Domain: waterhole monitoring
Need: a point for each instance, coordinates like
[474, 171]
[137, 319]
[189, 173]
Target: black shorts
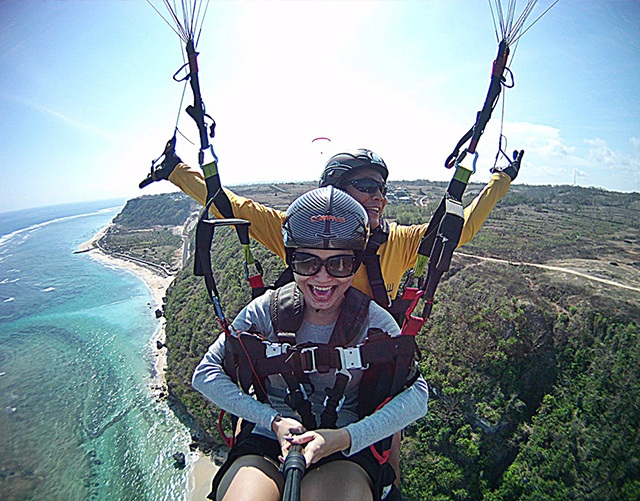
[253, 444]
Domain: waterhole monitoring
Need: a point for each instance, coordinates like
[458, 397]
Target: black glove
[166, 167]
[514, 167]
[169, 163]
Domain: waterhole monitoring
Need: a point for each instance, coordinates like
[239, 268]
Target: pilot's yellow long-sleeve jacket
[397, 254]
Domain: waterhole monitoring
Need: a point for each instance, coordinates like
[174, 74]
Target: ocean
[77, 420]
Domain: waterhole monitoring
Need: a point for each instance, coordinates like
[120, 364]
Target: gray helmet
[326, 218]
[345, 162]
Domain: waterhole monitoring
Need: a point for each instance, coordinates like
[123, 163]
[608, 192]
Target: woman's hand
[285, 428]
[321, 443]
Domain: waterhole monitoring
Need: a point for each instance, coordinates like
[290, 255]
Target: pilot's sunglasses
[369, 185]
[341, 266]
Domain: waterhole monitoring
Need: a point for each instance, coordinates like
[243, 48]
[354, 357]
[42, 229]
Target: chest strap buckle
[275, 349]
[308, 359]
[351, 358]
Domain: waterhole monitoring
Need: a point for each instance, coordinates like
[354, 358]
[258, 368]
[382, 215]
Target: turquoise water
[77, 420]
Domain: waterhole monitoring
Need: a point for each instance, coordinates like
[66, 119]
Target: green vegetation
[534, 374]
[148, 230]
[171, 209]
[533, 401]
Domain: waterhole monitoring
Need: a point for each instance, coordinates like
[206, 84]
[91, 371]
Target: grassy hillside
[148, 230]
[534, 372]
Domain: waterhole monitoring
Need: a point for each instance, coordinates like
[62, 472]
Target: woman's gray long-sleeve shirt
[210, 379]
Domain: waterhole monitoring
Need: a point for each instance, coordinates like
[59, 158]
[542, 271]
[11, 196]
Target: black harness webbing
[434, 253]
[286, 307]
[484, 115]
[215, 195]
[371, 261]
[444, 230]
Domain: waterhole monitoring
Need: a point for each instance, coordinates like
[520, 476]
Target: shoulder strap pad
[353, 314]
[284, 278]
[371, 260]
[286, 308]
[378, 236]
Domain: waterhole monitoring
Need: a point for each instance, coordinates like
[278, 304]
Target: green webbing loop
[462, 174]
[210, 169]
[248, 256]
[421, 264]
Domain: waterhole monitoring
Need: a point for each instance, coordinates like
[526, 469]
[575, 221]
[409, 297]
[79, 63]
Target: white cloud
[627, 165]
[543, 140]
[551, 159]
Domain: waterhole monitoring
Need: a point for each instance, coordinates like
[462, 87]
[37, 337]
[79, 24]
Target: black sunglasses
[369, 185]
[341, 266]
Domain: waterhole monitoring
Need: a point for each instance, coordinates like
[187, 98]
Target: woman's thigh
[249, 478]
[337, 480]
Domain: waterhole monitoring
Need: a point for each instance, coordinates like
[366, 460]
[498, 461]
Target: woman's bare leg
[250, 478]
[337, 480]
[394, 456]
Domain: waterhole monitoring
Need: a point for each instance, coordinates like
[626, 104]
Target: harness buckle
[275, 349]
[350, 358]
[340, 402]
[310, 360]
[294, 397]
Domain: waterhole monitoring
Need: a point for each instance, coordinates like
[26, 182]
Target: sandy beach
[203, 468]
[201, 476]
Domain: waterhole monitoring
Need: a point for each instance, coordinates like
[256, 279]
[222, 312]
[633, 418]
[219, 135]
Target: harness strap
[353, 314]
[239, 352]
[286, 306]
[216, 195]
[395, 377]
[255, 359]
[371, 260]
[334, 400]
[270, 358]
[296, 398]
[435, 254]
[445, 244]
[285, 277]
[202, 267]
[388, 363]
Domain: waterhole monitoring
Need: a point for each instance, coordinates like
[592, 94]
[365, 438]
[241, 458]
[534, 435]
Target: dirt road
[553, 268]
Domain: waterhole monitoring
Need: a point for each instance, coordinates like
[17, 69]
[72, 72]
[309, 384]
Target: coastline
[157, 285]
[203, 469]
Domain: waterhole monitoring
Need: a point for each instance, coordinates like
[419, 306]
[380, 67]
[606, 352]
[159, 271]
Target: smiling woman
[323, 358]
[325, 234]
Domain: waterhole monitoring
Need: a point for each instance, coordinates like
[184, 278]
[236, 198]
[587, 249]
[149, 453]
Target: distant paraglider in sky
[322, 145]
[322, 149]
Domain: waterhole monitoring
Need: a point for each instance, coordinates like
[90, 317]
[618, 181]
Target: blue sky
[87, 98]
